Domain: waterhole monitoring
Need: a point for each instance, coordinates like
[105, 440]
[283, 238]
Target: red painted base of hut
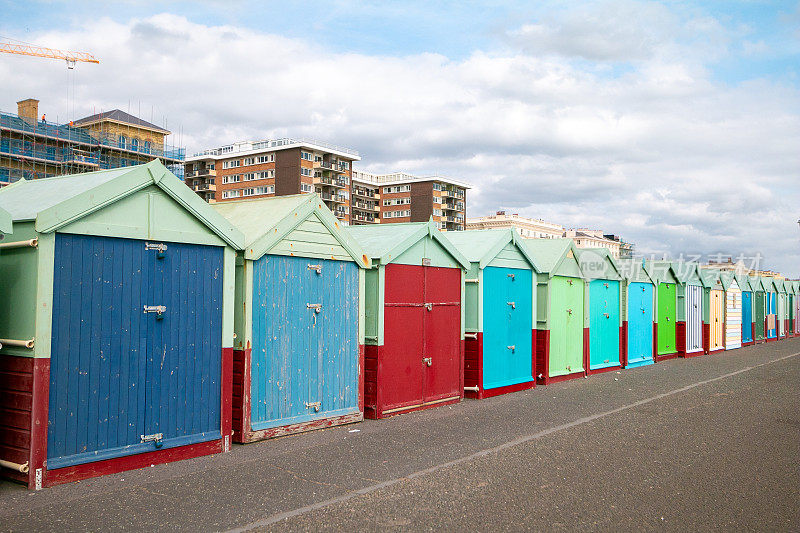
[706, 337]
[680, 338]
[473, 372]
[543, 361]
[24, 398]
[242, 431]
[623, 344]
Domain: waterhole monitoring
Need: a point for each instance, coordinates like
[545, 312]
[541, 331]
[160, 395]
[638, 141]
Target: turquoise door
[640, 324]
[747, 316]
[603, 324]
[507, 325]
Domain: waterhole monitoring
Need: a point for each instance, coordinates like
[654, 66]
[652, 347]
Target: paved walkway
[707, 442]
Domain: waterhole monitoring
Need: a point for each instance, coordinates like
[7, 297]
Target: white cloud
[658, 153]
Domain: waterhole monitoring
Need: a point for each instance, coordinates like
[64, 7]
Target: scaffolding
[34, 149]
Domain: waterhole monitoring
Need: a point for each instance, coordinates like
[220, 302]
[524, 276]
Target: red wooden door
[442, 333]
[401, 370]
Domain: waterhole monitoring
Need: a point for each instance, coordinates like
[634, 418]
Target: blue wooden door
[603, 323]
[772, 318]
[305, 340]
[123, 381]
[747, 316]
[640, 324]
[507, 324]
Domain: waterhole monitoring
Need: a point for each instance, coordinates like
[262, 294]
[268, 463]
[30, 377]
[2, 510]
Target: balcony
[204, 187]
[365, 206]
[364, 193]
[332, 198]
[322, 165]
[331, 182]
[201, 173]
[364, 218]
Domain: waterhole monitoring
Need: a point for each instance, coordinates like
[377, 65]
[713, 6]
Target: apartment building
[532, 228]
[274, 167]
[401, 197]
[32, 147]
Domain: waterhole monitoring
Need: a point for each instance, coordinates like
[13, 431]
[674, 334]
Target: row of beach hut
[140, 325]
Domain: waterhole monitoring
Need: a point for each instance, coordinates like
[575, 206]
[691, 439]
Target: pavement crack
[302, 478]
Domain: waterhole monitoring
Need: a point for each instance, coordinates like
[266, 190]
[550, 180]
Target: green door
[760, 305]
[667, 304]
[566, 326]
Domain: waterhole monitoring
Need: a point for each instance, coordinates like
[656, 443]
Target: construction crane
[27, 49]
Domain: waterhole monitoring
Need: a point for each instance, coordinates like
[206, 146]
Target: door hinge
[427, 360]
[155, 438]
[315, 405]
[159, 310]
[159, 247]
[315, 268]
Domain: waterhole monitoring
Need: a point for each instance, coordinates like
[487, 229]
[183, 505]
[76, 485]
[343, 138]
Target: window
[231, 194]
[147, 147]
[397, 188]
[307, 156]
[233, 178]
[397, 201]
[210, 166]
[397, 214]
[122, 141]
[135, 144]
[269, 158]
[306, 172]
[232, 164]
[249, 161]
[250, 176]
[306, 187]
[437, 187]
[437, 212]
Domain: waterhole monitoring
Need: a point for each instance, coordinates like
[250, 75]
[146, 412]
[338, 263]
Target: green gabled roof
[266, 221]
[633, 270]
[743, 281]
[758, 283]
[383, 243]
[710, 277]
[686, 272]
[598, 263]
[727, 279]
[779, 285]
[52, 203]
[794, 285]
[660, 271]
[549, 254]
[5, 221]
[482, 246]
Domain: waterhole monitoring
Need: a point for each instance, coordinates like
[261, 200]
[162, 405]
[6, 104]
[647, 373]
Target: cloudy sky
[673, 124]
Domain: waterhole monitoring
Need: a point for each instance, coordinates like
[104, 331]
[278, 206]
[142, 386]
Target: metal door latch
[316, 268]
[667, 319]
[159, 247]
[427, 360]
[569, 281]
[155, 438]
[606, 315]
[642, 289]
[511, 276]
[316, 307]
[429, 307]
[569, 368]
[159, 310]
[512, 304]
[513, 348]
[316, 405]
[605, 285]
[569, 311]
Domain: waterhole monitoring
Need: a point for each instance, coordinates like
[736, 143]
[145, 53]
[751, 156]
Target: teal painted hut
[638, 309]
[298, 361]
[603, 319]
[116, 314]
[665, 332]
[499, 312]
[689, 325]
[414, 318]
[559, 310]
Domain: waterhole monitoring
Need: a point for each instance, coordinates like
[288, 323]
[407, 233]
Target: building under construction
[32, 147]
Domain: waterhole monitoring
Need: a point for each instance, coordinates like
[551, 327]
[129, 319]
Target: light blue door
[772, 309]
[640, 324]
[603, 324]
[305, 340]
[507, 325]
[747, 316]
